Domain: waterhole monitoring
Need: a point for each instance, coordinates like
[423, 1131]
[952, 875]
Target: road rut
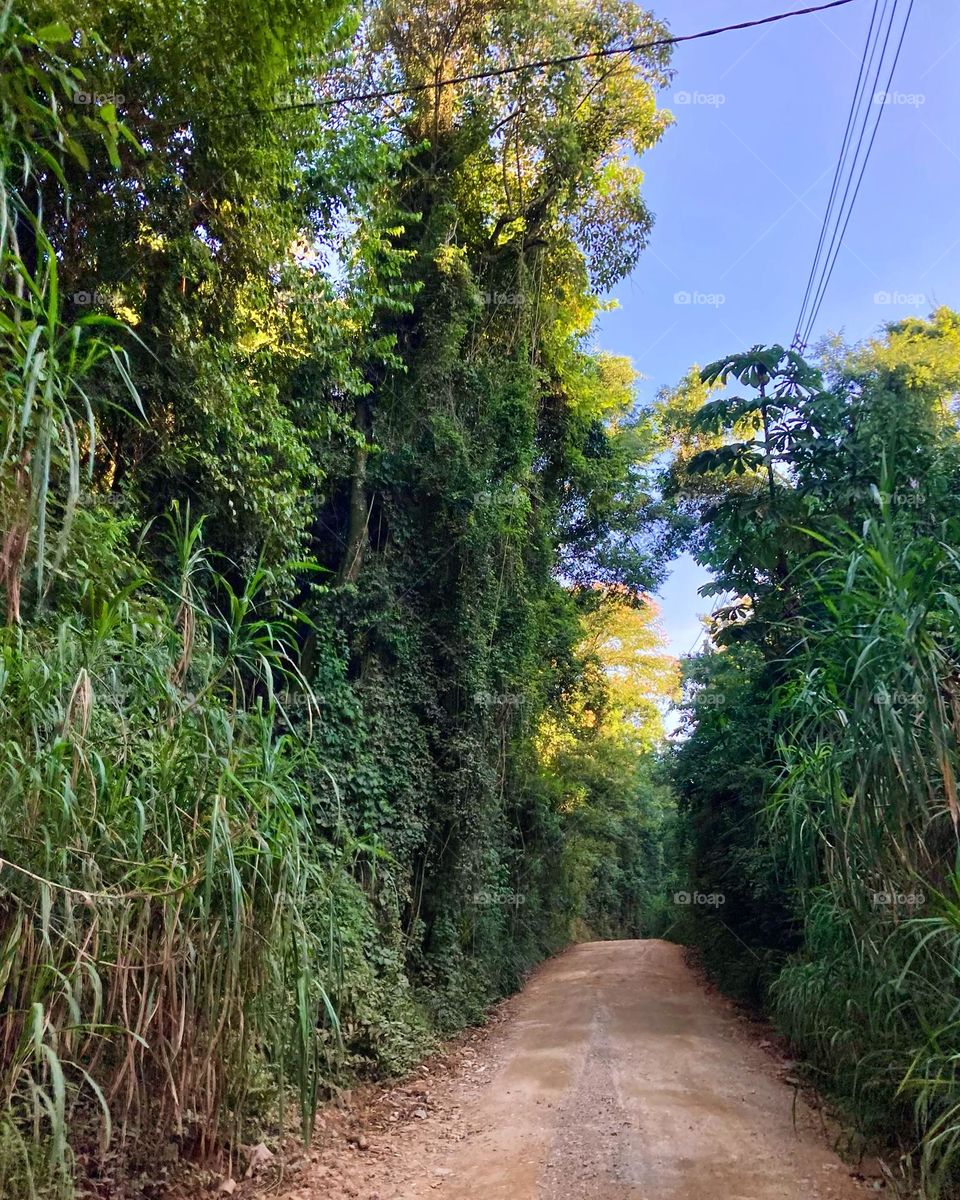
[616, 1076]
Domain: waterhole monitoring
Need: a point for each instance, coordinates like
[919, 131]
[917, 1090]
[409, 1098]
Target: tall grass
[868, 812]
[48, 425]
[155, 967]
[153, 955]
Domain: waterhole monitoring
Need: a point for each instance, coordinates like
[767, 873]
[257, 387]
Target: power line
[563, 60]
[534, 65]
[817, 287]
[856, 191]
[833, 249]
[854, 118]
[834, 187]
[725, 600]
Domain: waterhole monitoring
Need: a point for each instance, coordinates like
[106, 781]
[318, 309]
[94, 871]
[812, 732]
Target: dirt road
[614, 1076]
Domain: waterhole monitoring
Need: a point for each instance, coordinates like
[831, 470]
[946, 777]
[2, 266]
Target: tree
[817, 781]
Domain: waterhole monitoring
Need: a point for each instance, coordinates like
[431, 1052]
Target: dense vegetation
[818, 783]
[331, 688]
[328, 674]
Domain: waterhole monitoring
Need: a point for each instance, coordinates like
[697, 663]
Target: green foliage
[869, 805]
[722, 774]
[46, 413]
[155, 866]
[818, 781]
[329, 517]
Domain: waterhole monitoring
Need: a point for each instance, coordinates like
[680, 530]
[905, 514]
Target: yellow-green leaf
[56, 31]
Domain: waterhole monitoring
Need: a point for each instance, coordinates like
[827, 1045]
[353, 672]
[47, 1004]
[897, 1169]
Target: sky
[739, 185]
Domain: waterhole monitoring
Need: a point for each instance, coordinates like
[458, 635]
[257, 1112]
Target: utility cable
[835, 185]
[856, 191]
[859, 119]
[534, 65]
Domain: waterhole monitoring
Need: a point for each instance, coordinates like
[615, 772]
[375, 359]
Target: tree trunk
[359, 509]
[766, 444]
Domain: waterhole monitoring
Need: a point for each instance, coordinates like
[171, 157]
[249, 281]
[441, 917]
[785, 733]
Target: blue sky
[740, 183]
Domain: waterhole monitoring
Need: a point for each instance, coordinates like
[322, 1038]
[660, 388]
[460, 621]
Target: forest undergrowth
[331, 688]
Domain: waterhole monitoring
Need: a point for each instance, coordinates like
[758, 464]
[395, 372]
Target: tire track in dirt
[614, 1075]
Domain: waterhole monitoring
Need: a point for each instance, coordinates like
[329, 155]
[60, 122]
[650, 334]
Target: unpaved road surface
[614, 1075]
